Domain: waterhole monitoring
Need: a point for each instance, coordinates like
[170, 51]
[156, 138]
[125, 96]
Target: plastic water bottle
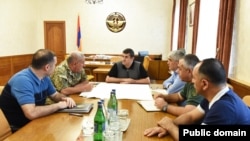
[113, 120]
[112, 106]
[113, 103]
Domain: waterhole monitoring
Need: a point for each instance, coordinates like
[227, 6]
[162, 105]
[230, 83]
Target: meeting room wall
[241, 67]
[18, 26]
[148, 25]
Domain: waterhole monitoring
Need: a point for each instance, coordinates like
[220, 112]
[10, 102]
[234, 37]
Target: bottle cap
[99, 102]
[102, 100]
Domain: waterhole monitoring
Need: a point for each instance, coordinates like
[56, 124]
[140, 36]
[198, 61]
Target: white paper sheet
[149, 105]
[123, 91]
[160, 91]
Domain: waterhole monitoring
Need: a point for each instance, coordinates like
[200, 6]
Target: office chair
[146, 62]
[246, 100]
[5, 130]
[1, 89]
[89, 74]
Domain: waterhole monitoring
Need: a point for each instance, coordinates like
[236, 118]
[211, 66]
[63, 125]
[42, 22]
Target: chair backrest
[5, 130]
[89, 74]
[246, 100]
[142, 53]
[1, 89]
[90, 77]
[66, 56]
[146, 61]
[115, 59]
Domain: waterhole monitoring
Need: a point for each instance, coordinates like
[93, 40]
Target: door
[55, 39]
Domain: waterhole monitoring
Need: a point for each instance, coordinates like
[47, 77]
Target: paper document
[149, 105]
[123, 91]
[160, 91]
[85, 94]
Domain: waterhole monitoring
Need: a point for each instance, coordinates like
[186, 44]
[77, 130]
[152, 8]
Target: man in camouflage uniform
[69, 76]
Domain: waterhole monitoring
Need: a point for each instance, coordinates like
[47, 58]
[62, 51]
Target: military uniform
[63, 77]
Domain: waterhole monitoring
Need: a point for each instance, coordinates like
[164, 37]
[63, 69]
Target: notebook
[149, 105]
[79, 108]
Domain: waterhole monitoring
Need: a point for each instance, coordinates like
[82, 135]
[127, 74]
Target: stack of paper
[123, 91]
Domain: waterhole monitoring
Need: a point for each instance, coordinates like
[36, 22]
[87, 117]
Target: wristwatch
[164, 108]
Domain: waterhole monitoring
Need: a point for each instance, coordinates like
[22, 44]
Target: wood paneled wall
[11, 64]
[152, 56]
[240, 87]
[158, 70]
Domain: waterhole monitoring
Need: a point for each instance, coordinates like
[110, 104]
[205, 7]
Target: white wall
[242, 67]
[18, 27]
[148, 25]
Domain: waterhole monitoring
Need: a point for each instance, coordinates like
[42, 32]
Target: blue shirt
[28, 89]
[173, 84]
[24, 88]
[226, 108]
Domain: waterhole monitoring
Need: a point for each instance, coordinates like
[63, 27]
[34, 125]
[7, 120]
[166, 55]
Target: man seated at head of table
[220, 106]
[187, 94]
[128, 70]
[174, 84]
[69, 76]
[23, 97]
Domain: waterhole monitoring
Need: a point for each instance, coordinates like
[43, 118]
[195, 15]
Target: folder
[79, 108]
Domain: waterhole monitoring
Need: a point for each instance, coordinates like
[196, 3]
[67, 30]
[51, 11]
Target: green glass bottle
[99, 123]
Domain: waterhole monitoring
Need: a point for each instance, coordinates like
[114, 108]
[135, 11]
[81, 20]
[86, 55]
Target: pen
[76, 114]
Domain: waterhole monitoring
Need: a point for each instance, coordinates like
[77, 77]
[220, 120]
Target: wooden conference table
[65, 127]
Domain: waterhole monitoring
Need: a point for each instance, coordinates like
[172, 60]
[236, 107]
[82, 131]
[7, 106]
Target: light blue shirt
[173, 84]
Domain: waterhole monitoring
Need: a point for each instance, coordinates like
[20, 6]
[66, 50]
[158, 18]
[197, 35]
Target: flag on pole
[78, 41]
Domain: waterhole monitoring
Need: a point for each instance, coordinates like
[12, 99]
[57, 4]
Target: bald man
[69, 76]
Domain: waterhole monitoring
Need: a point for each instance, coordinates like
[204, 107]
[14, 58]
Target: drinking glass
[88, 126]
[123, 118]
[108, 135]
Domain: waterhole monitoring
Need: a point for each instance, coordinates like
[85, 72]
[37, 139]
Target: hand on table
[159, 131]
[160, 102]
[67, 102]
[166, 123]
